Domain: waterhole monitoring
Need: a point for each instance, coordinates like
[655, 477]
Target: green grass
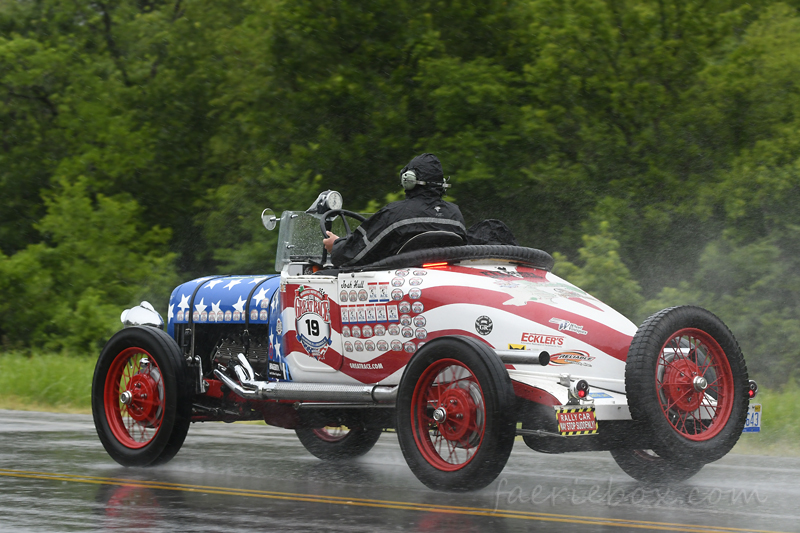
[59, 383]
[46, 382]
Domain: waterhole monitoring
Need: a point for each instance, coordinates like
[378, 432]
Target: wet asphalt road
[55, 476]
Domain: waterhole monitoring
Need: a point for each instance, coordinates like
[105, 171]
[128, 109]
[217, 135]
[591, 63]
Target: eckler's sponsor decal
[542, 340]
[566, 325]
[484, 325]
[313, 322]
[576, 357]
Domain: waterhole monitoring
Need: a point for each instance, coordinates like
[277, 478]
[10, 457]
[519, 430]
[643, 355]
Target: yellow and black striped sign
[576, 420]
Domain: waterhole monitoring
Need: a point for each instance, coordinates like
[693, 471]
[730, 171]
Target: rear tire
[455, 415]
[336, 444]
[141, 397]
[686, 379]
[649, 467]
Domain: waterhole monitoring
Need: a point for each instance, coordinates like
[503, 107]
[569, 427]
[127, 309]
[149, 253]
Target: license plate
[574, 421]
[753, 422]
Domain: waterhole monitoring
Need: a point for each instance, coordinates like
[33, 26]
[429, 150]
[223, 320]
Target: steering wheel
[328, 217]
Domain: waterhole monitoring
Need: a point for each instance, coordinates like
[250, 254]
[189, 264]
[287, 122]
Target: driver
[387, 230]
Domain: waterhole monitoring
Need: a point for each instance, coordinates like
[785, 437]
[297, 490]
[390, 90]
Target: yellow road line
[384, 504]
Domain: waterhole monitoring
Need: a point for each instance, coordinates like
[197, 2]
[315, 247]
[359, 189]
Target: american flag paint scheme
[458, 348]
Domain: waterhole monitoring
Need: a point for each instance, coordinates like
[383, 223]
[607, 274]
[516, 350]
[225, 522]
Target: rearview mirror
[269, 219]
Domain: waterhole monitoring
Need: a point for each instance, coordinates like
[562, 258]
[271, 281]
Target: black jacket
[387, 230]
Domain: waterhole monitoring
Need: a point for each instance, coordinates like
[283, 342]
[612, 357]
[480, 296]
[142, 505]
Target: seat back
[431, 239]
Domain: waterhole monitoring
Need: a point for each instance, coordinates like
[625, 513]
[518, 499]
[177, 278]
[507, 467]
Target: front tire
[141, 397]
[455, 415]
[687, 380]
[335, 444]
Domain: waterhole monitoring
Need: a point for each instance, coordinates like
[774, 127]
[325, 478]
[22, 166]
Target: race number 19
[312, 327]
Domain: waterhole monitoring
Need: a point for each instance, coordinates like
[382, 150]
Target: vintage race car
[458, 348]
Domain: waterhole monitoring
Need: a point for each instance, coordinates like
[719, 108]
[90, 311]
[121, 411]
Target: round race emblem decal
[313, 321]
[483, 325]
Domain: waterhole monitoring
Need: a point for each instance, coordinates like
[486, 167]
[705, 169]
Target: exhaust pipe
[512, 358]
[324, 392]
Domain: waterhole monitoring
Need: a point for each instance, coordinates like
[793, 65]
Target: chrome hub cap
[700, 383]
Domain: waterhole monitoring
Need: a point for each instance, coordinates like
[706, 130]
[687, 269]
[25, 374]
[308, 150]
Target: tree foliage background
[654, 143]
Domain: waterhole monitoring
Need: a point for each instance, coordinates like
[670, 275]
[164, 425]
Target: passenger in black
[387, 230]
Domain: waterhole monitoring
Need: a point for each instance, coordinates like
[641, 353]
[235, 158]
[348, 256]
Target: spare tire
[686, 379]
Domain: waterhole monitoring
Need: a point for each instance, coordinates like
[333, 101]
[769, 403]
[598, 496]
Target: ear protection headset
[408, 179]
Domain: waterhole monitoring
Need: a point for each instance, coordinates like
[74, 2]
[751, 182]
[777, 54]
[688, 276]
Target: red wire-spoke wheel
[142, 397]
[455, 414]
[134, 398]
[695, 384]
[448, 415]
[686, 379]
[335, 443]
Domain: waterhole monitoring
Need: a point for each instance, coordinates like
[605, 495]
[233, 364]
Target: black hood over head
[427, 166]
[429, 169]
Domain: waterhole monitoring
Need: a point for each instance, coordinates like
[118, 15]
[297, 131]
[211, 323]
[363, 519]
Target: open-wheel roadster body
[459, 349]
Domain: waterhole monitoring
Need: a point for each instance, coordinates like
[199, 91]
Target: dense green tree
[653, 141]
[67, 291]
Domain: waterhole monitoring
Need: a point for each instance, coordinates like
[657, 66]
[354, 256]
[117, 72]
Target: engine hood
[223, 300]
